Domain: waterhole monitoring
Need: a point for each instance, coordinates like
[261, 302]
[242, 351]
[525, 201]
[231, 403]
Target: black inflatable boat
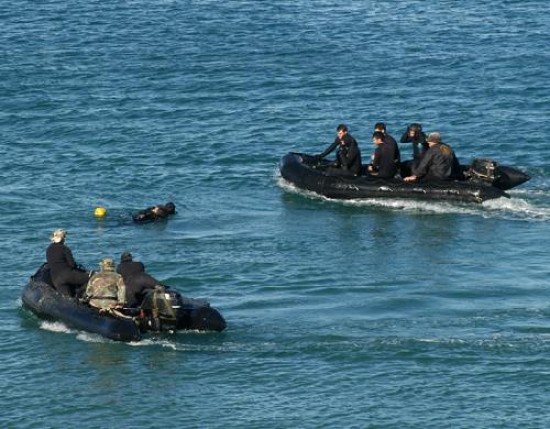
[483, 180]
[162, 310]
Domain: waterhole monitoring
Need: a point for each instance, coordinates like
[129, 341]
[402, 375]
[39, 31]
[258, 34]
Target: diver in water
[66, 277]
[154, 213]
[137, 281]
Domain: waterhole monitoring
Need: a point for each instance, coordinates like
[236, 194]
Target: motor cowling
[160, 309]
[485, 170]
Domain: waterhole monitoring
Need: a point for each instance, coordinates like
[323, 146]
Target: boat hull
[127, 325]
[299, 169]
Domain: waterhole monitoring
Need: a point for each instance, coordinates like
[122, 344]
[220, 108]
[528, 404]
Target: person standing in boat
[417, 137]
[348, 157]
[438, 163]
[66, 277]
[135, 278]
[106, 289]
[385, 160]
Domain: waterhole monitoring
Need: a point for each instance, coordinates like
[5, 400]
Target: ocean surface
[358, 314]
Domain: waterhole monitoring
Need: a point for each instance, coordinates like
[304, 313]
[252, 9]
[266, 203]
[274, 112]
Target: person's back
[438, 163]
[128, 267]
[106, 288]
[136, 280]
[66, 278]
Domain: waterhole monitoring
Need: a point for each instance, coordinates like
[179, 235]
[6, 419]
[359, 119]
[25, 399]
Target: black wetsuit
[419, 144]
[348, 158]
[439, 163]
[386, 159]
[137, 281]
[148, 214]
[66, 278]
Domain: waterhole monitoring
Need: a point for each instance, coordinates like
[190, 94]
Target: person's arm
[422, 169]
[69, 257]
[121, 291]
[329, 149]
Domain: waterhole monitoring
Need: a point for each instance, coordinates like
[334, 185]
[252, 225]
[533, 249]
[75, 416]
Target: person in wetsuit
[67, 279]
[438, 163]
[348, 157]
[385, 161]
[416, 136]
[137, 281]
[154, 213]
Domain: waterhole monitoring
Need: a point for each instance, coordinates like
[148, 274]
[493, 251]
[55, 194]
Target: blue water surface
[357, 314]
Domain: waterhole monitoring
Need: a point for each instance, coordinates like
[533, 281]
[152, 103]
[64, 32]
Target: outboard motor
[485, 170]
[160, 308]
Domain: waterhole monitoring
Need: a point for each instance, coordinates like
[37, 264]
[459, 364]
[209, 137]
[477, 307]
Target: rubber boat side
[48, 304]
[299, 169]
[162, 310]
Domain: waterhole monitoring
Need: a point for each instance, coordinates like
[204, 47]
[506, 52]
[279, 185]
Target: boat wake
[519, 207]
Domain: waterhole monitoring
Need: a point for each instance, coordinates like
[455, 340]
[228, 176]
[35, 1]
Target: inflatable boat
[483, 180]
[162, 310]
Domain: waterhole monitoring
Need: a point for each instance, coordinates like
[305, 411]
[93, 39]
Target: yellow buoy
[100, 212]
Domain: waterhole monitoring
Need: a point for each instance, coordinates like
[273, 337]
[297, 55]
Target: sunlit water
[371, 313]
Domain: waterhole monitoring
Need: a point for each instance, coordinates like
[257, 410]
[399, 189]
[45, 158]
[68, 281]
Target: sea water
[358, 314]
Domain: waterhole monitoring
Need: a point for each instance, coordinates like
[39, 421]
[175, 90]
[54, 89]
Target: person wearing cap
[106, 289]
[385, 160]
[157, 212]
[348, 157]
[66, 277]
[137, 281]
[438, 163]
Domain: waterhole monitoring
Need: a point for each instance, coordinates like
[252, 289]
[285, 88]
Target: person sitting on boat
[160, 211]
[106, 289]
[439, 162]
[385, 160]
[348, 157]
[381, 127]
[66, 277]
[135, 278]
[417, 137]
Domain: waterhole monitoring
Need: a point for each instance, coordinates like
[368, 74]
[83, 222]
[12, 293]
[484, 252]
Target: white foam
[510, 208]
[55, 327]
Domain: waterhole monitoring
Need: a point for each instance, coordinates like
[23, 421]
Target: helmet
[106, 264]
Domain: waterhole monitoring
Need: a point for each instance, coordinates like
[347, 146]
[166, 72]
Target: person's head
[378, 137]
[414, 129]
[341, 130]
[106, 264]
[380, 126]
[58, 236]
[170, 207]
[126, 257]
[434, 138]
